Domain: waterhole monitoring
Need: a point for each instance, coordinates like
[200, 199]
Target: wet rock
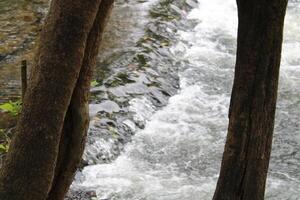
[119, 91]
[192, 3]
[105, 106]
[130, 124]
[2, 56]
[140, 80]
[81, 194]
[99, 89]
[157, 97]
[177, 10]
[136, 88]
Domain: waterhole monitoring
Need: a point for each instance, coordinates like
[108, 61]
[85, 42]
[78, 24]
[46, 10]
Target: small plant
[14, 108]
[4, 142]
[4, 148]
[94, 83]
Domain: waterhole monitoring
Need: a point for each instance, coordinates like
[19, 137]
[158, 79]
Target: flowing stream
[177, 155]
[148, 140]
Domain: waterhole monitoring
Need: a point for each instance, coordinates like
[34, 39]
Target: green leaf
[13, 108]
[7, 107]
[3, 148]
[94, 83]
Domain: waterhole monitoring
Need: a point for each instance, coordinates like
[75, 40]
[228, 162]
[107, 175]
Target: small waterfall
[177, 155]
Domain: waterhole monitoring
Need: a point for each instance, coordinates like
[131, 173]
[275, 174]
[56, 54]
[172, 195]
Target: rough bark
[253, 101]
[29, 169]
[77, 119]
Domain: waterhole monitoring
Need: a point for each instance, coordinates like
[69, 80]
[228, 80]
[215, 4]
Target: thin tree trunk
[29, 169]
[253, 101]
[77, 120]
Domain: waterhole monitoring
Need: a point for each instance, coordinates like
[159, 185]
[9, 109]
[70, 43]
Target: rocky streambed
[133, 82]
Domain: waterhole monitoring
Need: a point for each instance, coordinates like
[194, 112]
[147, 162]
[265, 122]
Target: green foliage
[14, 108]
[4, 143]
[4, 148]
[141, 59]
[94, 83]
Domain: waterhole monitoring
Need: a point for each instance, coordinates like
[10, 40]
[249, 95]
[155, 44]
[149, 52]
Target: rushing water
[177, 156]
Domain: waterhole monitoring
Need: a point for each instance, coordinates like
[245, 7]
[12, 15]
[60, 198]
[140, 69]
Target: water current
[176, 151]
[177, 155]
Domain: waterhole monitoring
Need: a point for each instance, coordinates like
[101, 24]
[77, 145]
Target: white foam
[177, 156]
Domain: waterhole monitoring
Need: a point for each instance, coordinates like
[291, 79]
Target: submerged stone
[105, 106]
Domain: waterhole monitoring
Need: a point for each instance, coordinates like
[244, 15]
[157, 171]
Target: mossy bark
[253, 101]
[50, 135]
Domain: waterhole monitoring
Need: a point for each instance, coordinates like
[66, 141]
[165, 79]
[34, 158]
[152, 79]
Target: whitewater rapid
[177, 155]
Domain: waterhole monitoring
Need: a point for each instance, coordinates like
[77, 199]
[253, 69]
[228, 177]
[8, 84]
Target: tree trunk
[77, 119]
[253, 101]
[29, 170]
